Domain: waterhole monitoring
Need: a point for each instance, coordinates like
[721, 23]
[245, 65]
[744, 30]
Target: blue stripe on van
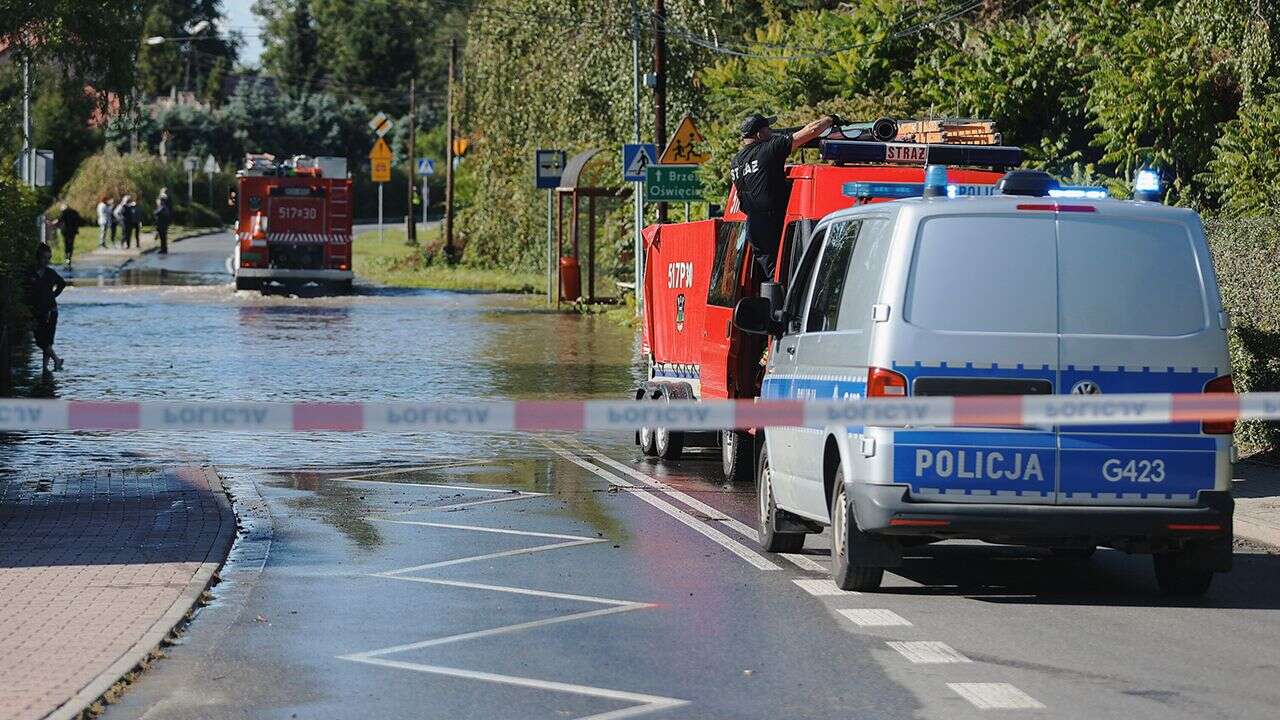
[976, 463]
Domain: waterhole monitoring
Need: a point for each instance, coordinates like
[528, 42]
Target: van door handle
[791, 349]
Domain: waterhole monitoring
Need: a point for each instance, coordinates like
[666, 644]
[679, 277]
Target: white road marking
[928, 651]
[821, 587]
[728, 543]
[650, 481]
[646, 703]
[873, 618]
[362, 481]
[643, 703]
[804, 562]
[995, 696]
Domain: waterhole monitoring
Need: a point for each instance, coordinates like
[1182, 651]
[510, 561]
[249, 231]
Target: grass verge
[390, 262]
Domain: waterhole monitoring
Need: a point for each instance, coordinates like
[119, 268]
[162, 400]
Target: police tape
[592, 415]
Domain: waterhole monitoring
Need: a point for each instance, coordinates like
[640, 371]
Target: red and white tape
[578, 415]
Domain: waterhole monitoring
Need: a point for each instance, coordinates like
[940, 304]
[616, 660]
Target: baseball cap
[755, 122]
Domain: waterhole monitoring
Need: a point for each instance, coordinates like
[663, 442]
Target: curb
[153, 250]
[80, 703]
[1247, 529]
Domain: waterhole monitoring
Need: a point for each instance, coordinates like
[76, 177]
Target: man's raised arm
[807, 133]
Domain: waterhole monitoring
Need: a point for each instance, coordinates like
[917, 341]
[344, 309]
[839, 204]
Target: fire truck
[696, 272]
[293, 225]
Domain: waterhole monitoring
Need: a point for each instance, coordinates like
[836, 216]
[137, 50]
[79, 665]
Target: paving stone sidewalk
[1257, 493]
[95, 570]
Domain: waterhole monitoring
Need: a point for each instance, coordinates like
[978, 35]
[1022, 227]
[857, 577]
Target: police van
[1039, 290]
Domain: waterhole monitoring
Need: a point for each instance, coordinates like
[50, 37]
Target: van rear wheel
[668, 444]
[1177, 575]
[770, 539]
[846, 569]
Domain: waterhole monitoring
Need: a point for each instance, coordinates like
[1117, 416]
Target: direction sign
[635, 158]
[210, 165]
[380, 162]
[426, 166]
[43, 168]
[672, 183]
[381, 124]
[685, 147]
[190, 163]
[549, 166]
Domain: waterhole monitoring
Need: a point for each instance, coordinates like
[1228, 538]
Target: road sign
[43, 168]
[190, 163]
[380, 162]
[460, 146]
[672, 183]
[635, 158]
[381, 124]
[211, 165]
[426, 166]
[549, 166]
[685, 147]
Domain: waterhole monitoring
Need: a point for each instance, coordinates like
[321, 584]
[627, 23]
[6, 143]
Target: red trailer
[293, 223]
[696, 272]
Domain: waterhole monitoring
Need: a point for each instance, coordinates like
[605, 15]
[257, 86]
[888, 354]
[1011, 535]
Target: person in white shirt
[104, 220]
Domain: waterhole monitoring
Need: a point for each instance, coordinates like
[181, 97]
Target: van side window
[799, 288]
[731, 237]
[828, 287]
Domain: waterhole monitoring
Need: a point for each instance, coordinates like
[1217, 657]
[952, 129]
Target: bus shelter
[583, 192]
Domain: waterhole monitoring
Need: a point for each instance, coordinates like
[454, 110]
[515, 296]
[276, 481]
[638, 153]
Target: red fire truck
[695, 273]
[293, 224]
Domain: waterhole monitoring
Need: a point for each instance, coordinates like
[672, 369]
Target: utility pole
[660, 84]
[638, 242]
[410, 222]
[448, 155]
[28, 156]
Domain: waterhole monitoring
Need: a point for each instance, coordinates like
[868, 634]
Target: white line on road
[873, 618]
[648, 703]
[481, 528]
[995, 696]
[924, 652]
[362, 481]
[821, 587]
[650, 481]
[728, 543]
[804, 562]
[518, 591]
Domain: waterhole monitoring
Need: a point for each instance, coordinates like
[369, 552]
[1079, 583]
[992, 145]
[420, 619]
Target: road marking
[363, 481]
[995, 696]
[646, 703]
[804, 562]
[712, 534]
[873, 618]
[715, 514]
[643, 703]
[821, 587]
[924, 652]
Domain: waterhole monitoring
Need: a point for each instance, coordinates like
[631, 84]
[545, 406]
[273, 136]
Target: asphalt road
[562, 580]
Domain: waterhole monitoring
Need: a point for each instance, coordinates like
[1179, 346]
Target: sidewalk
[110, 259]
[1257, 493]
[95, 570]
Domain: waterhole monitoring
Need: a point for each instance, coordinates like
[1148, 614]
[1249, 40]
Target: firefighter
[758, 173]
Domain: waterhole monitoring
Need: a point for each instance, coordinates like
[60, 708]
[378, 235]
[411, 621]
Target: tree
[185, 58]
[292, 52]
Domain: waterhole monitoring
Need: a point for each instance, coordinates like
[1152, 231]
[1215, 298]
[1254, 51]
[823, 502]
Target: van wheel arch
[831, 467]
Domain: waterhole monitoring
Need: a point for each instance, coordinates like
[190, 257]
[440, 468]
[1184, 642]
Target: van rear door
[1138, 312]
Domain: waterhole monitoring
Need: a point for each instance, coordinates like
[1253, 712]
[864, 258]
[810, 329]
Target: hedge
[18, 241]
[1246, 253]
[142, 175]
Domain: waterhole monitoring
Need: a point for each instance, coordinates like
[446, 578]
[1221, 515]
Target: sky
[240, 18]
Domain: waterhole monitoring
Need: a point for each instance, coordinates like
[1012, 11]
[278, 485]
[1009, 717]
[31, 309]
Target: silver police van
[1021, 293]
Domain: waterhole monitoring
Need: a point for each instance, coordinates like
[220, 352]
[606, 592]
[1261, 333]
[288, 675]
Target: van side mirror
[774, 293]
[754, 315]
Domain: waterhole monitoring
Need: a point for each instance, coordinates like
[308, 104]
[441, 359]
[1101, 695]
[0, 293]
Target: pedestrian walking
[135, 222]
[44, 287]
[164, 216]
[104, 220]
[121, 215]
[759, 173]
[69, 222]
[111, 219]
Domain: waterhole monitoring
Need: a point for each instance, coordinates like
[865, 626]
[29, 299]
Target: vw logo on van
[1086, 387]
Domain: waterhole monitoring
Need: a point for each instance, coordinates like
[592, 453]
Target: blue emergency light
[935, 182]
[860, 151]
[1147, 185]
[892, 190]
[1079, 192]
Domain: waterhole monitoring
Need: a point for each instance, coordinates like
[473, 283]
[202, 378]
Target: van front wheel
[770, 539]
[846, 569]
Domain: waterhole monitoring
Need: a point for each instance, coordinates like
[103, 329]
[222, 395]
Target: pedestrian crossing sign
[686, 146]
[636, 157]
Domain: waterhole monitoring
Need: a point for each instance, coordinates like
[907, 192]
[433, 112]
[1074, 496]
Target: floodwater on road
[206, 341]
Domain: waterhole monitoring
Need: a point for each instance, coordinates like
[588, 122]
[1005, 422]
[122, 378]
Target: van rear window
[1128, 277]
[984, 274]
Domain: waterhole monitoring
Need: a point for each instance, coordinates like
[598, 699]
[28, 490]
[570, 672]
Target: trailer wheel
[736, 453]
[646, 442]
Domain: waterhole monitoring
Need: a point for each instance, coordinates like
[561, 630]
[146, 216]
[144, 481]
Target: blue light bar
[1079, 192]
[863, 190]
[859, 151]
[1146, 180]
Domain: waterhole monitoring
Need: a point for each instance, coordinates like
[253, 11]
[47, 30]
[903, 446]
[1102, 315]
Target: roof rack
[896, 153]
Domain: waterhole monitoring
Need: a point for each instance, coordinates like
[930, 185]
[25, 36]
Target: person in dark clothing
[759, 175]
[135, 222]
[121, 215]
[164, 216]
[44, 287]
[69, 222]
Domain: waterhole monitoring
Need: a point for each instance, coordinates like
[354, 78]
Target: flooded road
[207, 341]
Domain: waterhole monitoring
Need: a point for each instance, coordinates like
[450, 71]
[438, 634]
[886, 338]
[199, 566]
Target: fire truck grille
[296, 257]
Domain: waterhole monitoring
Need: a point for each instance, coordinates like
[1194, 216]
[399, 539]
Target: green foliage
[83, 35]
[1245, 168]
[184, 60]
[1244, 255]
[17, 250]
[115, 175]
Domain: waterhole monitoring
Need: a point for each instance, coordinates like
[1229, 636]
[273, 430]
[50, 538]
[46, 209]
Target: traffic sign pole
[380, 237]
